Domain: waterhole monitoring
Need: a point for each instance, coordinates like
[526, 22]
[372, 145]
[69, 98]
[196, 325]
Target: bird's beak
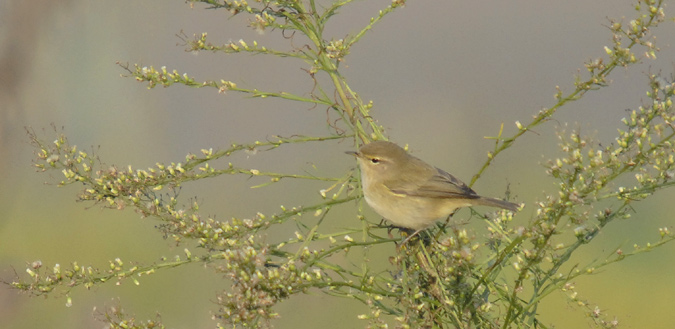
[356, 154]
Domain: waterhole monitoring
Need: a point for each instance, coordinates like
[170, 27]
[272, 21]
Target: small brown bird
[411, 193]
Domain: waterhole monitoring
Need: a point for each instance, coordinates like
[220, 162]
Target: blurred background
[443, 75]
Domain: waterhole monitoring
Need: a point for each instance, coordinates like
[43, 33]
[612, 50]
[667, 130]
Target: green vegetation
[454, 278]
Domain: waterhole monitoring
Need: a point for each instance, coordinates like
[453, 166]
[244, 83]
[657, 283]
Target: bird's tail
[490, 202]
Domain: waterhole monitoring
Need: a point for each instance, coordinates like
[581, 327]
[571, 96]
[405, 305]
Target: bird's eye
[375, 160]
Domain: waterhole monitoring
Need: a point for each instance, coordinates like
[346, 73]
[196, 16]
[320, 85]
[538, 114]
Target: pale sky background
[442, 75]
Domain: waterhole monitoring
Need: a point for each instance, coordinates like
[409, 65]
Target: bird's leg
[408, 238]
[389, 228]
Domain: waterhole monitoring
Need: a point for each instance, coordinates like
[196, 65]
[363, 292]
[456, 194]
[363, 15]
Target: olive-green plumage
[411, 193]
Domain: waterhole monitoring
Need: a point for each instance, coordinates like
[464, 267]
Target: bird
[411, 193]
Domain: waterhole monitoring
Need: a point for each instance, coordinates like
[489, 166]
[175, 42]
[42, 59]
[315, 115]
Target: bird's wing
[439, 185]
